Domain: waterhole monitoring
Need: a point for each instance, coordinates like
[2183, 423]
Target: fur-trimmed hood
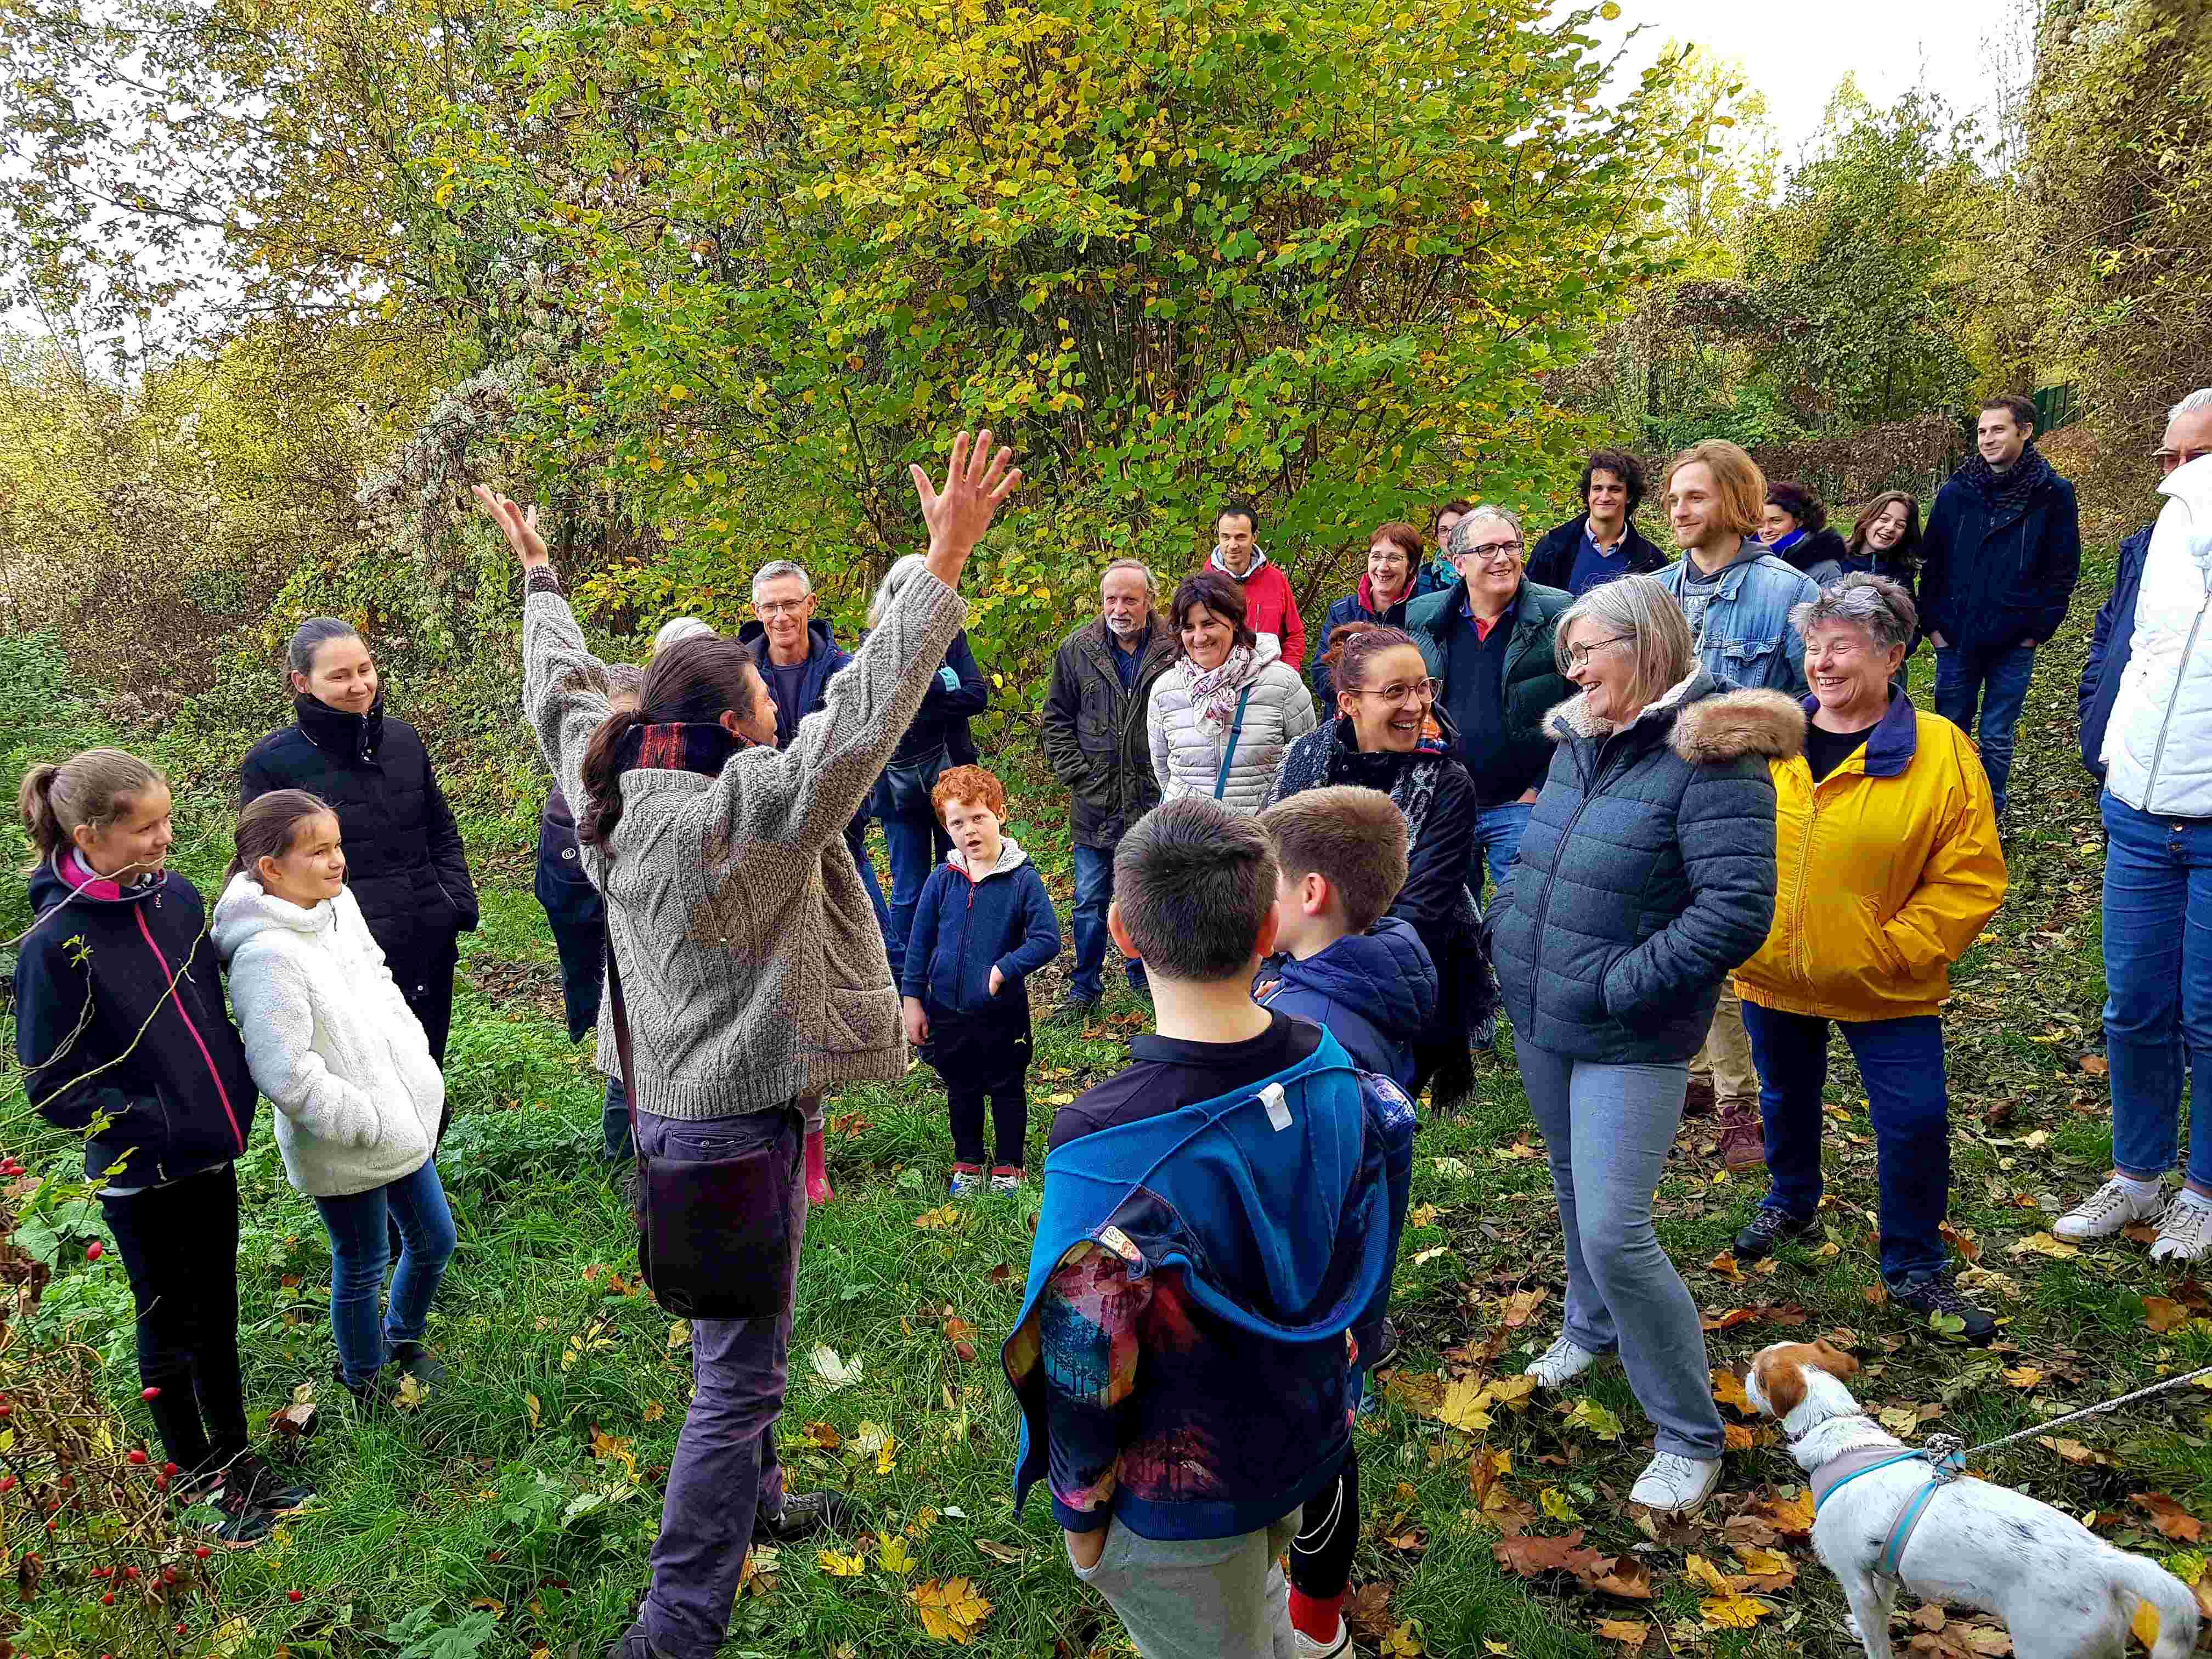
[1707, 724]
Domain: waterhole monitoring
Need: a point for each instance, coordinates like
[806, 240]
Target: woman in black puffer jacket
[404, 859]
[1645, 877]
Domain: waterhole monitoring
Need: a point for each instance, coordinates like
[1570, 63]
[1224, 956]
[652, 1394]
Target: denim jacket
[1747, 640]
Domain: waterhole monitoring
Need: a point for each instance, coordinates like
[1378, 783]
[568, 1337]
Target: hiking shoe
[1561, 1364]
[250, 1477]
[1932, 1295]
[1675, 1485]
[2104, 1212]
[967, 1180]
[2185, 1232]
[803, 1515]
[1699, 1101]
[1074, 1011]
[1386, 1347]
[1742, 1139]
[1306, 1648]
[413, 1359]
[1005, 1179]
[634, 1643]
[239, 1523]
[1768, 1227]
[370, 1395]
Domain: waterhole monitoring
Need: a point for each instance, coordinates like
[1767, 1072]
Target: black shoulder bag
[713, 1239]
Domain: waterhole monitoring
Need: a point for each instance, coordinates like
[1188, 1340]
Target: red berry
[108, 1600]
[152, 1393]
[5, 1408]
[130, 1572]
[161, 1483]
[180, 1630]
[95, 1250]
[294, 1595]
[138, 1454]
[202, 1552]
[169, 1470]
[7, 1483]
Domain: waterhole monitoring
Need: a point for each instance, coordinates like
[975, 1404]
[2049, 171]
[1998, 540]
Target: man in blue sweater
[1997, 569]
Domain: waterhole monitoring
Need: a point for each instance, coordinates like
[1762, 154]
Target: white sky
[1797, 51]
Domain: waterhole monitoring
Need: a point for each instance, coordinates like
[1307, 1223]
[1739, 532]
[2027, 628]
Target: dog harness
[1839, 1472]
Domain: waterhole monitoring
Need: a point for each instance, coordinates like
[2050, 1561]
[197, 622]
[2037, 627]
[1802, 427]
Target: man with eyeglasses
[1997, 568]
[1488, 639]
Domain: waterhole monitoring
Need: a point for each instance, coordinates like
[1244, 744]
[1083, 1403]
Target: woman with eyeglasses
[1380, 740]
[1645, 878]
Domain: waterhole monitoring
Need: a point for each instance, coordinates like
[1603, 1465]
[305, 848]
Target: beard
[1125, 626]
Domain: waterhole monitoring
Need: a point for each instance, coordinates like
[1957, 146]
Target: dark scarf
[1408, 776]
[704, 747]
[2007, 493]
[356, 737]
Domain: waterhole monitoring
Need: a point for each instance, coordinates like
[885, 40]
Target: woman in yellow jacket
[1886, 868]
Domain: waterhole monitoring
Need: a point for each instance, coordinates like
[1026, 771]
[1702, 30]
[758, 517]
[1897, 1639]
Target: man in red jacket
[1269, 607]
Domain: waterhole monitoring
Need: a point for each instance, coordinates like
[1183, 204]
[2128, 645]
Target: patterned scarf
[2007, 493]
[1214, 694]
[702, 746]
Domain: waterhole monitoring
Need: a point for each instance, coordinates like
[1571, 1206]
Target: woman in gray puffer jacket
[1228, 706]
[1645, 877]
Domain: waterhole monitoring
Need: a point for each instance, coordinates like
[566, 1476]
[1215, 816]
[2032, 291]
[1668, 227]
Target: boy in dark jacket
[1215, 1223]
[983, 925]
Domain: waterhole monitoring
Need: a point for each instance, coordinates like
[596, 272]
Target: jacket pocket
[1749, 662]
[859, 1021]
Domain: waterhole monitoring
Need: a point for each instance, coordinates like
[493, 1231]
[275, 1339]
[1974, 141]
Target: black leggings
[1321, 1555]
[179, 1246]
[1010, 1121]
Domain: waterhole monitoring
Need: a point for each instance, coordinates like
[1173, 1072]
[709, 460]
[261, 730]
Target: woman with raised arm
[751, 967]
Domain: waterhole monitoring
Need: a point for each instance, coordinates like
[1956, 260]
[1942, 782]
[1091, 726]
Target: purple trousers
[726, 1467]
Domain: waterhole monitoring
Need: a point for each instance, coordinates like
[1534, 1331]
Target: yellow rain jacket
[1884, 872]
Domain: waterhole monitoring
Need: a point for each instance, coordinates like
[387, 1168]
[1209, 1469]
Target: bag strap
[621, 1012]
[1229, 754]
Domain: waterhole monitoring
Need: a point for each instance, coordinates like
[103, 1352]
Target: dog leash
[1949, 1450]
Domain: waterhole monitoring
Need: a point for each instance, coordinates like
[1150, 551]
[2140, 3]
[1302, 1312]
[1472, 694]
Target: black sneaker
[1386, 1348]
[1934, 1297]
[413, 1359]
[1074, 1011]
[249, 1478]
[634, 1643]
[803, 1515]
[239, 1523]
[1769, 1227]
[371, 1396]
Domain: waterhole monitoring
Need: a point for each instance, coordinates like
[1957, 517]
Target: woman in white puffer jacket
[1228, 706]
[334, 1046]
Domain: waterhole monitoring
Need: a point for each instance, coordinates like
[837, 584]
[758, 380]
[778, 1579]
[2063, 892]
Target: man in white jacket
[2158, 869]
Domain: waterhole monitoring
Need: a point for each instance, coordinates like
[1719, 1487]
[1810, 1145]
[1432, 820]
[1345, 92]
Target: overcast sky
[1796, 52]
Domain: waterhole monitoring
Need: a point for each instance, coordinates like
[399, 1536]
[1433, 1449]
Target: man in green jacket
[1488, 639]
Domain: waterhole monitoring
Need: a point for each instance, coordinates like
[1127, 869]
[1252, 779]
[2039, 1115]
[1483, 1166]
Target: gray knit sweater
[752, 966]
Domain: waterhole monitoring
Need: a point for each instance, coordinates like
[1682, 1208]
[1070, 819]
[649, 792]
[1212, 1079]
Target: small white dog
[2063, 1591]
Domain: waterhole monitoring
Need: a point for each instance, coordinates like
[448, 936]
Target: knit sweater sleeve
[560, 677]
[1087, 1321]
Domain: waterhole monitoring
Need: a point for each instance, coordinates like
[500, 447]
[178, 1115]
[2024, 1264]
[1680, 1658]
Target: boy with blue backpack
[1215, 1223]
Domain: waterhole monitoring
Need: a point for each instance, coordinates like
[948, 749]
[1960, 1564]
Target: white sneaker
[1307, 1648]
[1561, 1364]
[1675, 1485]
[2104, 1212]
[2185, 1232]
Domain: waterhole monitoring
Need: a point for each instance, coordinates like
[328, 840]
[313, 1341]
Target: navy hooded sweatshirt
[1375, 992]
[167, 1071]
[964, 926]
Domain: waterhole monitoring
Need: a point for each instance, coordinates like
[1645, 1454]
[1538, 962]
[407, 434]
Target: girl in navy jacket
[124, 1038]
[983, 925]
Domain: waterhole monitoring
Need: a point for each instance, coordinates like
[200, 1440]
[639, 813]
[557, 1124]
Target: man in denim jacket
[1737, 600]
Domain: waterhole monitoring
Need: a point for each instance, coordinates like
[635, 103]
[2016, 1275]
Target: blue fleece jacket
[966, 925]
[1181, 1359]
[1375, 992]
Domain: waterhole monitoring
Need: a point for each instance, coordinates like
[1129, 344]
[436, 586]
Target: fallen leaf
[1367, 1609]
[1006, 1553]
[530, 1404]
[1553, 1503]
[1520, 1305]
[1706, 1574]
[1768, 1563]
[1732, 1611]
[1792, 1517]
[2145, 1624]
[1728, 1389]
[824, 1436]
[1404, 1642]
[843, 1566]
[1629, 1633]
[1514, 1390]
[1422, 1258]
[2072, 1451]
[2162, 1313]
[1737, 1436]
[1725, 1265]
[945, 1215]
[1728, 1321]
[2044, 1244]
[606, 1446]
[1602, 1423]
[486, 1604]
[1463, 1407]
[835, 1372]
[1422, 1215]
[2169, 1517]
[680, 1335]
[653, 1411]
[2022, 1376]
[1899, 1420]
[895, 1557]
[951, 1611]
[1531, 1556]
[1625, 1576]
[2098, 1066]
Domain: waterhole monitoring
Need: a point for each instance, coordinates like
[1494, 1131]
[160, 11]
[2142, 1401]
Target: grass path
[511, 1513]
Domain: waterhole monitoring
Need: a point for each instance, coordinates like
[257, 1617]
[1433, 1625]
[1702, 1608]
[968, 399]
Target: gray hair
[312, 636]
[2200, 398]
[1641, 608]
[1487, 512]
[678, 628]
[1876, 603]
[1152, 587]
[776, 570]
[903, 570]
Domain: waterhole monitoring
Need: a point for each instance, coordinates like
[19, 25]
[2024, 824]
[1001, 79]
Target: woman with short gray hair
[1886, 849]
[1645, 875]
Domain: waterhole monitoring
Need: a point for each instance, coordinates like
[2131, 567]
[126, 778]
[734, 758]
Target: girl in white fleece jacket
[334, 1046]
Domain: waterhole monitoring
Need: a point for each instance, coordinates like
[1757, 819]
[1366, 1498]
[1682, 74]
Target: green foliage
[422, 1635]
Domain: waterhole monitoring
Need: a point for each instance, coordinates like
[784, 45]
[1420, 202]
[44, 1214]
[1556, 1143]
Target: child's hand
[997, 981]
[917, 1020]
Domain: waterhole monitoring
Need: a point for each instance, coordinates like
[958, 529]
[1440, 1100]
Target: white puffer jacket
[1186, 761]
[331, 1041]
[2158, 748]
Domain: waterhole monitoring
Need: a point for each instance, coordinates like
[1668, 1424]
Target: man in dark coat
[1997, 569]
[1096, 740]
[1603, 543]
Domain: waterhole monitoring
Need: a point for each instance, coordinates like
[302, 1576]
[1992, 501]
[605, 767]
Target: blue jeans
[360, 1252]
[915, 839]
[1997, 684]
[725, 1469]
[2158, 985]
[1094, 891]
[1901, 1063]
[614, 1123]
[1497, 832]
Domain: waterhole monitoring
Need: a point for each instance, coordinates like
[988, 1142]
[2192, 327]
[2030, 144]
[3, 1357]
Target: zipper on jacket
[1544, 915]
[2166, 721]
[1804, 862]
[221, 1093]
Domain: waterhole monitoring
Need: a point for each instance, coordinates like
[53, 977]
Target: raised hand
[518, 524]
[958, 514]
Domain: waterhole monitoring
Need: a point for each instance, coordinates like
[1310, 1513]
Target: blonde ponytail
[95, 788]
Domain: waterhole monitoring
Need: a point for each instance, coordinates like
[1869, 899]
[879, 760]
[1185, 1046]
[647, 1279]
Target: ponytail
[693, 681]
[603, 804]
[96, 787]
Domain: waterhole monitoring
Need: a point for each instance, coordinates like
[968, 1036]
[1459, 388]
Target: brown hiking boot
[1698, 1102]
[1740, 1139]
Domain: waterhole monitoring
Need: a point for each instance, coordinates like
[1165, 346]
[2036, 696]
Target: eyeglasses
[1399, 695]
[1494, 553]
[784, 607]
[2170, 460]
[1578, 656]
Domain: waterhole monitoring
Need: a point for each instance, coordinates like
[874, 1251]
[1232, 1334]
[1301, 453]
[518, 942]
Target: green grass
[488, 1504]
